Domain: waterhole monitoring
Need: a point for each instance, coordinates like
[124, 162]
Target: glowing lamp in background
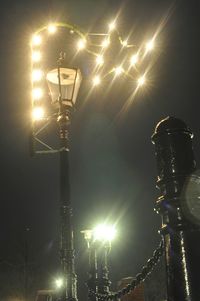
[104, 232]
[64, 84]
[59, 283]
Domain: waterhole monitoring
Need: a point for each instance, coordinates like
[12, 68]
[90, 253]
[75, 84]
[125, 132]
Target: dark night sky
[113, 171]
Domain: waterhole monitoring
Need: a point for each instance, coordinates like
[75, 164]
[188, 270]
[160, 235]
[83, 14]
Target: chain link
[140, 277]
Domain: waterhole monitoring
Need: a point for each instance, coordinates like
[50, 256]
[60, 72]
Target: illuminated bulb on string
[38, 113]
[100, 60]
[112, 26]
[96, 80]
[36, 40]
[36, 56]
[37, 93]
[124, 43]
[141, 81]
[150, 45]
[81, 44]
[134, 59]
[105, 43]
[37, 75]
[52, 28]
[118, 70]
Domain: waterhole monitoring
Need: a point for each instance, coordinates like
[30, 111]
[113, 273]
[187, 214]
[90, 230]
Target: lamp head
[65, 83]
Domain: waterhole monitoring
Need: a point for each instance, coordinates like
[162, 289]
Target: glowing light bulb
[52, 28]
[112, 26]
[37, 75]
[104, 232]
[38, 113]
[81, 44]
[105, 43]
[37, 93]
[96, 80]
[134, 59]
[36, 40]
[100, 60]
[59, 283]
[150, 45]
[124, 43]
[118, 70]
[36, 56]
[141, 80]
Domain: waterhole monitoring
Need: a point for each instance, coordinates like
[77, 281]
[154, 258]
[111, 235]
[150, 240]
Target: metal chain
[140, 277]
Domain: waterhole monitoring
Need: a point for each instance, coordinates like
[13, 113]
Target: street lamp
[99, 245]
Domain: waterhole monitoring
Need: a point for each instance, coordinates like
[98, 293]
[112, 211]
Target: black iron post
[104, 282]
[175, 163]
[98, 280]
[93, 270]
[66, 230]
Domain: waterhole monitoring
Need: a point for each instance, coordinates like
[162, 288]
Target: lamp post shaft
[175, 162]
[66, 229]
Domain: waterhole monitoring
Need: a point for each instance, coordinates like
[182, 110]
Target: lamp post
[99, 245]
[64, 84]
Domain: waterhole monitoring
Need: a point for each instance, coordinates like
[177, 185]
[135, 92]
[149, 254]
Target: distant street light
[99, 244]
[59, 283]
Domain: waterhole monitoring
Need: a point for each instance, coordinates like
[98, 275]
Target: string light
[36, 56]
[81, 44]
[118, 70]
[124, 43]
[100, 60]
[105, 43]
[134, 59]
[100, 56]
[37, 75]
[38, 113]
[141, 80]
[96, 80]
[36, 40]
[37, 93]
[52, 28]
[112, 26]
[150, 45]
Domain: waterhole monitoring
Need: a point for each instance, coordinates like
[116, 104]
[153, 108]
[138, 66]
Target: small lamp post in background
[99, 245]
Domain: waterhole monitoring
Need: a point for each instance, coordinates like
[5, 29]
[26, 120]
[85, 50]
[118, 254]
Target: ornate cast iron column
[92, 282]
[175, 164]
